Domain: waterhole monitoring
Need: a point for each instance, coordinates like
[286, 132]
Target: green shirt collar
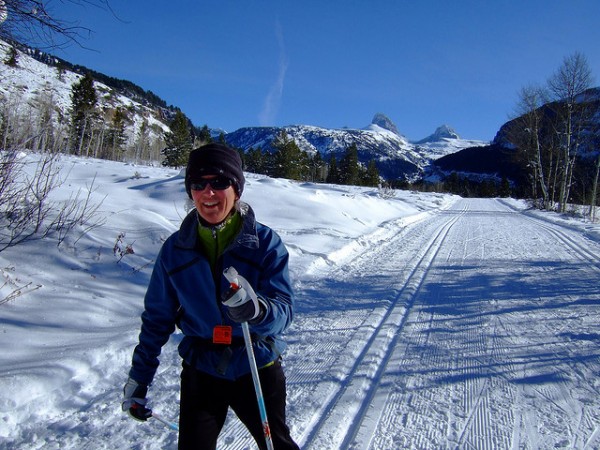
[215, 239]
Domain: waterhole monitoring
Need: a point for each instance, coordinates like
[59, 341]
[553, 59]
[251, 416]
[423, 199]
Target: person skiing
[187, 289]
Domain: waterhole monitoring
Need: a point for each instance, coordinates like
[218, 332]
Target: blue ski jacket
[185, 291]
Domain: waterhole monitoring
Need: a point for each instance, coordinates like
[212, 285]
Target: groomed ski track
[474, 328]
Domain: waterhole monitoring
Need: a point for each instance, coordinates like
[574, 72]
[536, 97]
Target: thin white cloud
[273, 99]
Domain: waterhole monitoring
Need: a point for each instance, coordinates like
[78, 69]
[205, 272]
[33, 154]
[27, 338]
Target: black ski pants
[205, 401]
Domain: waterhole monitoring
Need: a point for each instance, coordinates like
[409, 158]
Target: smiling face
[214, 205]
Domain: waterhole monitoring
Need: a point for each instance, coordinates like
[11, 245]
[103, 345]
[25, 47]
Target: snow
[31, 82]
[423, 320]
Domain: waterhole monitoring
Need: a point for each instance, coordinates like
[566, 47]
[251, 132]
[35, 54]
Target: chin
[213, 219]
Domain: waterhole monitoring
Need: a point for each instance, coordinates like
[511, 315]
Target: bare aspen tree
[10, 119]
[46, 135]
[527, 135]
[567, 85]
[142, 141]
[592, 210]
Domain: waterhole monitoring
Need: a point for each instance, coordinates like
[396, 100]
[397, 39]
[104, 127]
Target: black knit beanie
[214, 159]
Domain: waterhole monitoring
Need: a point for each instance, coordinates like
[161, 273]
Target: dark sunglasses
[218, 184]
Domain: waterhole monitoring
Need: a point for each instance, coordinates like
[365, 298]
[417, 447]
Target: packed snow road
[475, 328]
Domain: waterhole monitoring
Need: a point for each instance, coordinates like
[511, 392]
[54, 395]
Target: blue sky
[231, 64]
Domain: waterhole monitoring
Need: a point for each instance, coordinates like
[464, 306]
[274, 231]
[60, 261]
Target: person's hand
[241, 307]
[134, 400]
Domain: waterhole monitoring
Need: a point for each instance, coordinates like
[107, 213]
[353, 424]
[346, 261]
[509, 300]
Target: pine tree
[504, 190]
[60, 71]
[256, 161]
[290, 161]
[179, 142]
[269, 164]
[117, 136]
[203, 136]
[318, 168]
[371, 175]
[333, 175]
[83, 107]
[12, 58]
[349, 167]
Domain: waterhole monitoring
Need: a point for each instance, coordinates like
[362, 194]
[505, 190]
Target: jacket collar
[188, 231]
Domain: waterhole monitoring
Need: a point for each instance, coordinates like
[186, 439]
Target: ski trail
[473, 328]
[462, 368]
[347, 415]
[595, 435]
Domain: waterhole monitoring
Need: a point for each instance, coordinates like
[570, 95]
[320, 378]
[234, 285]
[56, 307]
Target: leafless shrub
[386, 192]
[121, 249]
[26, 210]
[17, 292]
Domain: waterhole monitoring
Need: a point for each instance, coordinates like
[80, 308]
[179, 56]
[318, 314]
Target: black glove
[134, 400]
[241, 307]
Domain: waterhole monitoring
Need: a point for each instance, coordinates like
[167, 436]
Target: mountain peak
[383, 121]
[441, 132]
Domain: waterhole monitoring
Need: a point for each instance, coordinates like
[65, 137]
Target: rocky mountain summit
[395, 156]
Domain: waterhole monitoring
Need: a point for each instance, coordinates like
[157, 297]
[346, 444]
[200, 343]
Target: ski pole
[259, 395]
[232, 276]
[171, 425]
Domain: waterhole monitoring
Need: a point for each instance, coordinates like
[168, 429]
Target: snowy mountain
[396, 157]
[443, 132]
[590, 99]
[39, 78]
[384, 122]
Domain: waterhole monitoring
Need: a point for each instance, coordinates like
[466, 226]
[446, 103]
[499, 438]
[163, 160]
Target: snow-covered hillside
[30, 83]
[422, 320]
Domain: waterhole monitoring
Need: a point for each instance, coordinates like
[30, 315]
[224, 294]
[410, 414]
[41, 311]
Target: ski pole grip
[239, 282]
[232, 276]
